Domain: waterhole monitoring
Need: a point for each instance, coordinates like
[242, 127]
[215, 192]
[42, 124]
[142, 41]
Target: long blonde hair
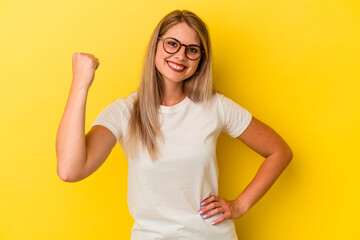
[144, 126]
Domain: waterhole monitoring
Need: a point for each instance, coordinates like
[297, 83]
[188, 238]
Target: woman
[168, 131]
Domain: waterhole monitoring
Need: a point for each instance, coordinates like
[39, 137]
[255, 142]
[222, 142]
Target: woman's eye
[193, 50]
[172, 44]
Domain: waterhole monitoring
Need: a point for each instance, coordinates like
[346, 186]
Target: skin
[79, 155]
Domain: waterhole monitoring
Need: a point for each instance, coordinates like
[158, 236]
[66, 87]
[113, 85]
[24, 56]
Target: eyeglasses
[172, 45]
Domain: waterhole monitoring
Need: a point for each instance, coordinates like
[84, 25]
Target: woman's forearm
[266, 176]
[70, 139]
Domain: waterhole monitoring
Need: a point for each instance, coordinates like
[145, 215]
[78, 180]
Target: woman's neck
[173, 95]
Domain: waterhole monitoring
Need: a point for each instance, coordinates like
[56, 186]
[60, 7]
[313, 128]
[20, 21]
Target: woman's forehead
[183, 33]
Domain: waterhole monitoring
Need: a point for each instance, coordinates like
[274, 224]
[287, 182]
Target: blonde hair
[144, 126]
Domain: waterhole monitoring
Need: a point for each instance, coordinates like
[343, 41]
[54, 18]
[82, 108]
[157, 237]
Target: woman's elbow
[64, 177]
[67, 176]
[288, 154]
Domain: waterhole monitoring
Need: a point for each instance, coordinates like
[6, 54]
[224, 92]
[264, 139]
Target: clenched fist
[83, 66]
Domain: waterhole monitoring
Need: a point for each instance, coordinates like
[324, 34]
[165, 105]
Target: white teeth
[175, 66]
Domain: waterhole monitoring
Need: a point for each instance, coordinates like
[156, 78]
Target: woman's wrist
[78, 88]
[241, 206]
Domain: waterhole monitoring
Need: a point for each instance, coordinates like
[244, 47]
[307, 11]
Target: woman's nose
[181, 53]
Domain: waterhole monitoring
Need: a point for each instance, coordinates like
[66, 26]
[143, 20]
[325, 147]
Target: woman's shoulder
[219, 98]
[122, 105]
[225, 103]
[127, 101]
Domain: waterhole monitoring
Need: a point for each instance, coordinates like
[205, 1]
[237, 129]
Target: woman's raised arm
[78, 155]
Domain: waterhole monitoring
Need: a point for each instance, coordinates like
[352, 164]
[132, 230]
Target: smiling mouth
[176, 67]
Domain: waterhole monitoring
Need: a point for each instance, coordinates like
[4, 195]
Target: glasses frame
[186, 47]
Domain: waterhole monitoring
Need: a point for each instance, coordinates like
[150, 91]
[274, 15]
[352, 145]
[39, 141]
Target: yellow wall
[293, 64]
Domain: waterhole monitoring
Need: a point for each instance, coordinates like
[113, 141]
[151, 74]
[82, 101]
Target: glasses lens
[193, 52]
[171, 45]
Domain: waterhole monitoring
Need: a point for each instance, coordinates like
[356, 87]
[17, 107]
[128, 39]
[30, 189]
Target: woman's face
[176, 67]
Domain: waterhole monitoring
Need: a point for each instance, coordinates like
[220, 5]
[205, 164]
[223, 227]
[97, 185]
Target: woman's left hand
[214, 205]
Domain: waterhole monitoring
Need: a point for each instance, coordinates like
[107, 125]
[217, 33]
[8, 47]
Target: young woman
[168, 130]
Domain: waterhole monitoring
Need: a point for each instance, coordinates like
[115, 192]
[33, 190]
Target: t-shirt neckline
[176, 107]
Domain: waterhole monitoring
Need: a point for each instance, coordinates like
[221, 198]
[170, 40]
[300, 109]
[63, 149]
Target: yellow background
[293, 64]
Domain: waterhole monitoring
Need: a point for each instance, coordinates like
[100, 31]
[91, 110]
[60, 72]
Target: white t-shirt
[164, 195]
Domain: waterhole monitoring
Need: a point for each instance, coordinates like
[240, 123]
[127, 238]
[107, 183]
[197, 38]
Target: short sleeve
[110, 118]
[235, 118]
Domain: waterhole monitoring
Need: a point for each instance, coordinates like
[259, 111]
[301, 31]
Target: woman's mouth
[176, 67]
